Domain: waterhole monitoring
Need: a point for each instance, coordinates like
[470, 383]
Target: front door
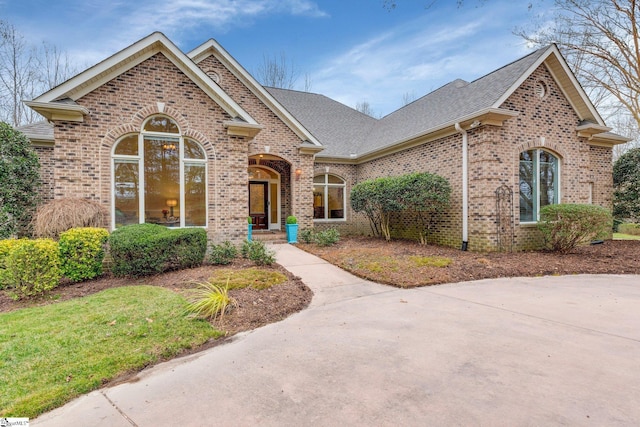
[259, 204]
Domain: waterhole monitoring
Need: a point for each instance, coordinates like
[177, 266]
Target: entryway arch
[264, 197]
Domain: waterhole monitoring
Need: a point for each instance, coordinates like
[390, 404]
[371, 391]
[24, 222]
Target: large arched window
[539, 183]
[159, 177]
[329, 198]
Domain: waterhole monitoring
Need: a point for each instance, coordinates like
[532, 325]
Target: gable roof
[213, 48]
[436, 113]
[59, 102]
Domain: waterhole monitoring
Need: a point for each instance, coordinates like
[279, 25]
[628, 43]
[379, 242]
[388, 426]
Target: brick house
[157, 135]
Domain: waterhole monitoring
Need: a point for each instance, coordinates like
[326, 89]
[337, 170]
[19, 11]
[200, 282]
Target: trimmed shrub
[33, 267]
[144, 249]
[61, 215]
[257, 252]
[565, 226]
[628, 228]
[189, 247]
[6, 246]
[223, 253]
[326, 237]
[82, 252]
[307, 235]
[292, 219]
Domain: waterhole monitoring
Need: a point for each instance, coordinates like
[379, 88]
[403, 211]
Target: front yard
[83, 336]
[87, 335]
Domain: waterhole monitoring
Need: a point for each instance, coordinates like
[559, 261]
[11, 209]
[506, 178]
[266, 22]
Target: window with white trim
[329, 197]
[159, 176]
[539, 183]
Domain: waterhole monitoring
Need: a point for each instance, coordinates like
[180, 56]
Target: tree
[377, 199]
[423, 195]
[277, 72]
[365, 108]
[626, 184]
[408, 98]
[26, 71]
[17, 75]
[20, 178]
[417, 194]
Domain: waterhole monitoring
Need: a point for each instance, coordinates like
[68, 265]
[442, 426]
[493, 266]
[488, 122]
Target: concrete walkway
[534, 351]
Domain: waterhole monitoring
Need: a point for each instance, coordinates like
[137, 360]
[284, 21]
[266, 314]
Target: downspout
[465, 187]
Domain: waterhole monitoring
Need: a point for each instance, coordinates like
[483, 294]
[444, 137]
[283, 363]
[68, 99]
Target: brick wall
[45, 156]
[82, 153]
[442, 157]
[281, 140]
[548, 123]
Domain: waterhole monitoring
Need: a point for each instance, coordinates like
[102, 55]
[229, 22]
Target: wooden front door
[259, 205]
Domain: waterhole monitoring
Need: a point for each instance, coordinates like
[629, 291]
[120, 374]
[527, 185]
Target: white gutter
[465, 187]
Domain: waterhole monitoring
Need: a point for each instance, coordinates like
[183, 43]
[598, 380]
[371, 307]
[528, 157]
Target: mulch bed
[611, 257]
[255, 308]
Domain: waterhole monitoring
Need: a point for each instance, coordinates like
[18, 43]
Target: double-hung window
[329, 198]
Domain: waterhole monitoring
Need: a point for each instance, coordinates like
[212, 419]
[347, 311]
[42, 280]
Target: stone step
[270, 236]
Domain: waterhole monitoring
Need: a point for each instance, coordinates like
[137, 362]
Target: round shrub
[223, 254]
[144, 249]
[565, 226]
[82, 252]
[33, 267]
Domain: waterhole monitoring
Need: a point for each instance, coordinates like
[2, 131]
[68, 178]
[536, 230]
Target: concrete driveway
[535, 351]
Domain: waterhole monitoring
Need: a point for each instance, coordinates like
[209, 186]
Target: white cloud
[117, 24]
[420, 56]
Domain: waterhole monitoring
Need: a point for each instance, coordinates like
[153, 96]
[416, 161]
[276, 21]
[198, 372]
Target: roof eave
[607, 140]
[242, 129]
[486, 117]
[59, 111]
[589, 129]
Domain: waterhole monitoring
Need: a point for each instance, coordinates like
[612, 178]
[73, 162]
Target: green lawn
[620, 236]
[51, 354]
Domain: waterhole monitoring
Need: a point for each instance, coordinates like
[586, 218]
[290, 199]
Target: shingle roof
[334, 124]
[344, 131]
[42, 130]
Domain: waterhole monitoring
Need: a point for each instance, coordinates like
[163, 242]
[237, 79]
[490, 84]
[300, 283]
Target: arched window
[159, 177]
[329, 198]
[539, 183]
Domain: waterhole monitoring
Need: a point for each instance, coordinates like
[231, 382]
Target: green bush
[144, 249]
[257, 252]
[82, 252]
[223, 253]
[32, 267]
[292, 219]
[628, 228]
[307, 235]
[6, 246]
[327, 237]
[565, 226]
[20, 178]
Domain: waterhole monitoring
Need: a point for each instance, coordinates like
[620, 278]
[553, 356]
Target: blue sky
[351, 50]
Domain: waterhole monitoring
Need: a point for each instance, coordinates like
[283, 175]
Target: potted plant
[250, 232]
[292, 229]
